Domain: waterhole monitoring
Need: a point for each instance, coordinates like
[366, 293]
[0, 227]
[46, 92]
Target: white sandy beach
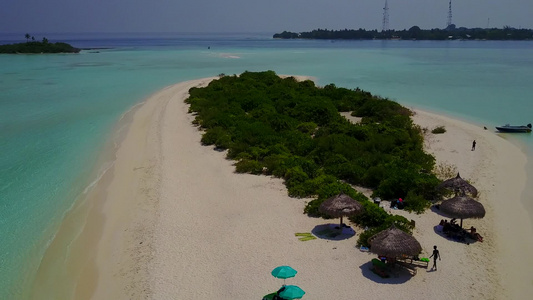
[180, 224]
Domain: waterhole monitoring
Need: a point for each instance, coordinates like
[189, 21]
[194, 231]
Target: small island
[294, 130]
[414, 33]
[31, 46]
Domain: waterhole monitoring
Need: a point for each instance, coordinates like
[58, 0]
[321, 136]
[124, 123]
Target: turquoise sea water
[56, 111]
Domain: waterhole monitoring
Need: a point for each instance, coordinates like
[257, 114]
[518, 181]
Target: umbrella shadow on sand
[398, 276]
[465, 240]
[333, 232]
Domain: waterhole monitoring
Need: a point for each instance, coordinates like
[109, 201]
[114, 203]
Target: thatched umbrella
[341, 205]
[462, 207]
[459, 186]
[393, 242]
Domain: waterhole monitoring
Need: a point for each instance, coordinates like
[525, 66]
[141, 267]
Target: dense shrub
[400, 222]
[438, 130]
[293, 130]
[217, 136]
[373, 215]
[295, 176]
[415, 203]
[307, 127]
[248, 166]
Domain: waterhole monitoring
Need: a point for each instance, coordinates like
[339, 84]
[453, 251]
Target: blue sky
[57, 16]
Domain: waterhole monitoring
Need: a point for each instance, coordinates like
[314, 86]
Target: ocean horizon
[57, 111]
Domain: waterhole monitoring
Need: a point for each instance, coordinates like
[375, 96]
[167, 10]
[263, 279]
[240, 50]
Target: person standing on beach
[474, 145]
[435, 255]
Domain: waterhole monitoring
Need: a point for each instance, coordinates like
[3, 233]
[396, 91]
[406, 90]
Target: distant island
[413, 33]
[32, 46]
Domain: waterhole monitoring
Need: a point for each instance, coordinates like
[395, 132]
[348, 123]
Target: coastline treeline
[293, 130]
[34, 47]
[413, 33]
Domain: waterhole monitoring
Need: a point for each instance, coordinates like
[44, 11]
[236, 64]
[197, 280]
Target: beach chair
[414, 261]
[411, 268]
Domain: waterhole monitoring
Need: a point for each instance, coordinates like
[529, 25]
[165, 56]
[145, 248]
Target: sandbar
[179, 223]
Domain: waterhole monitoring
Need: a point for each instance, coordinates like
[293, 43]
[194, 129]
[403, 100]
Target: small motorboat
[511, 128]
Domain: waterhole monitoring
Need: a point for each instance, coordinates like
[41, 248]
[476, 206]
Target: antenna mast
[449, 15]
[385, 26]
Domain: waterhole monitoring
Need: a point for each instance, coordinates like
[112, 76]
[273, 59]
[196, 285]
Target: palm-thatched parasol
[393, 242]
[459, 186]
[341, 205]
[462, 207]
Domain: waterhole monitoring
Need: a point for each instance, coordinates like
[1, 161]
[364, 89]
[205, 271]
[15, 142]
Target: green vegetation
[414, 33]
[293, 130]
[416, 203]
[438, 130]
[399, 221]
[445, 171]
[37, 47]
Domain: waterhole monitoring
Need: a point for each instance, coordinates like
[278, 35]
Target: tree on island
[414, 33]
[34, 46]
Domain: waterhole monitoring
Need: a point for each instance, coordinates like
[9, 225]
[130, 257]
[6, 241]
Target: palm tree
[27, 36]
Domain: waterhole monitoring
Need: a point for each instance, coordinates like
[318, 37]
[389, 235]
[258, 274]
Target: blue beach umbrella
[292, 292]
[284, 272]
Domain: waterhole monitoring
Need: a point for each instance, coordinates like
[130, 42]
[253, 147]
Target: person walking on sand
[474, 145]
[435, 255]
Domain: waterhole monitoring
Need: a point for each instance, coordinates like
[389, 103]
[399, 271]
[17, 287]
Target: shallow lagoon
[56, 111]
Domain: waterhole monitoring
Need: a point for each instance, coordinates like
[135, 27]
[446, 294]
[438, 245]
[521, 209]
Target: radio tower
[449, 15]
[385, 26]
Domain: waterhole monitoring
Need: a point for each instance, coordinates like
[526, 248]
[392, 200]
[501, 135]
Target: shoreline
[500, 175]
[67, 269]
[172, 219]
[127, 235]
